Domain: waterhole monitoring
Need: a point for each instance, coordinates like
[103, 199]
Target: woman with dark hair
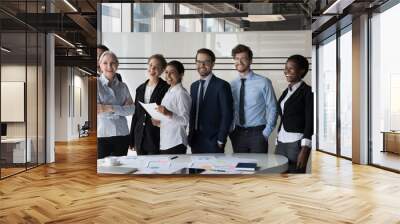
[145, 137]
[296, 111]
[176, 106]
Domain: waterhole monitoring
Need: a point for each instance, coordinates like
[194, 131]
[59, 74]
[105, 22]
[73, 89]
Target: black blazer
[141, 120]
[298, 114]
[215, 116]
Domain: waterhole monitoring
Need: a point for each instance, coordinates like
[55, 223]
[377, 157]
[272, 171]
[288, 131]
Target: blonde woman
[114, 102]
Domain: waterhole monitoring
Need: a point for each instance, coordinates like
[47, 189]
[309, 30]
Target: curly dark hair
[178, 66]
[301, 63]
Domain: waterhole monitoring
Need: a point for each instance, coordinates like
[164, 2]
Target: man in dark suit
[212, 107]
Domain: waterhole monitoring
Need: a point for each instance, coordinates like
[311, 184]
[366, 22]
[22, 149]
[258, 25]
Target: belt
[255, 128]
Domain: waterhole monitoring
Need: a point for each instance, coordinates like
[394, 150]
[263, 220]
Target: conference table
[212, 163]
[14, 151]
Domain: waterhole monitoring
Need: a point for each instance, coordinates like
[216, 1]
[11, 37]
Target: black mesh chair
[84, 130]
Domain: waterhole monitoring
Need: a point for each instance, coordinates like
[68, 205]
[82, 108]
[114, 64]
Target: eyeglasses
[241, 59]
[207, 62]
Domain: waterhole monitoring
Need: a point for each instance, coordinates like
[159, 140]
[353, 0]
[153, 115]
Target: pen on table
[173, 157]
[218, 170]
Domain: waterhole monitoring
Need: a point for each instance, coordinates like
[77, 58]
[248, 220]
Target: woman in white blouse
[176, 106]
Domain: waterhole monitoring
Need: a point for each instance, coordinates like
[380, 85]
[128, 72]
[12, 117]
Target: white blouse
[283, 135]
[147, 94]
[173, 131]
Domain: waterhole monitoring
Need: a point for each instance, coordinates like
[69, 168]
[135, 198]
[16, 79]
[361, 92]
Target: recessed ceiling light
[338, 6]
[5, 50]
[84, 71]
[265, 18]
[70, 5]
[64, 40]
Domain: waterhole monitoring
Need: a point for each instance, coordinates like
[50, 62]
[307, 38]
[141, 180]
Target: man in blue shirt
[255, 106]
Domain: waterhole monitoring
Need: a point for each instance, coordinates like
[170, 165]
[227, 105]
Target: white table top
[13, 140]
[267, 163]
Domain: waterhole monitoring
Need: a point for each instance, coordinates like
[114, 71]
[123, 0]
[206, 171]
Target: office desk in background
[267, 163]
[13, 150]
[391, 141]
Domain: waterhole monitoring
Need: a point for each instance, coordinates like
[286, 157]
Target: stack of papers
[151, 109]
[222, 165]
[115, 170]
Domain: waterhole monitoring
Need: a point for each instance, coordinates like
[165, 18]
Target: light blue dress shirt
[260, 105]
[117, 94]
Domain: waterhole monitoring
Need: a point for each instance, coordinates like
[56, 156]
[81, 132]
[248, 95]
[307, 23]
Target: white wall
[183, 47]
[33, 125]
[71, 96]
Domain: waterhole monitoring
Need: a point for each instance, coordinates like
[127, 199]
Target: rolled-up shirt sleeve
[128, 108]
[271, 109]
[183, 114]
[306, 142]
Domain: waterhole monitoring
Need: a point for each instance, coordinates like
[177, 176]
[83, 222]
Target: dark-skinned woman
[296, 112]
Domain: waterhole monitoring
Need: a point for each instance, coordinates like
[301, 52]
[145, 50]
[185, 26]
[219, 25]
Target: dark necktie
[200, 102]
[201, 92]
[290, 87]
[241, 104]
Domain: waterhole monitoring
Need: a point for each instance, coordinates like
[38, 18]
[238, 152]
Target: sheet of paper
[202, 162]
[132, 161]
[170, 170]
[222, 172]
[115, 170]
[151, 109]
[218, 164]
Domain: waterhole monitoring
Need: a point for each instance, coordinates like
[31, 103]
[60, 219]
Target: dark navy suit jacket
[215, 116]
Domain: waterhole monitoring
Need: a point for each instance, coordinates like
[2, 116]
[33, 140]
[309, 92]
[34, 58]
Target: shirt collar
[106, 82]
[176, 87]
[296, 86]
[248, 75]
[207, 79]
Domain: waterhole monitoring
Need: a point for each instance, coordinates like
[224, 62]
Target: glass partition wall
[22, 77]
[345, 65]
[334, 98]
[385, 89]
[166, 17]
[326, 135]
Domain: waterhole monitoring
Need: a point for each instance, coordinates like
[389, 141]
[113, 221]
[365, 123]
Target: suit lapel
[195, 92]
[295, 95]
[156, 90]
[280, 100]
[142, 91]
[209, 87]
[283, 95]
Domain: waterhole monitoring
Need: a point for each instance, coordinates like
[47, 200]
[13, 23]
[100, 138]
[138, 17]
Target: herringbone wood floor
[70, 191]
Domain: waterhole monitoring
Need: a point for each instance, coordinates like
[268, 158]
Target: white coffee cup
[111, 161]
